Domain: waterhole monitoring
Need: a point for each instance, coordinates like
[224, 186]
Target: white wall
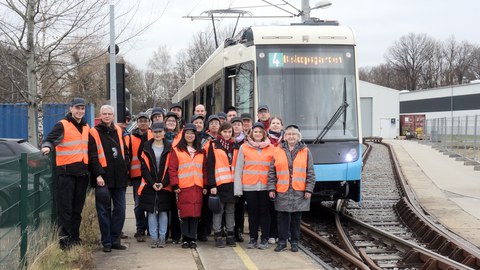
[385, 106]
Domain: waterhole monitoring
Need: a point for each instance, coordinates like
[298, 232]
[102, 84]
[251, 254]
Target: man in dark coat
[109, 175]
[72, 170]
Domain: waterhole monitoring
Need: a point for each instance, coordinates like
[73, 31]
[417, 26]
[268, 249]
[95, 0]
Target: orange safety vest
[74, 145]
[144, 182]
[101, 154]
[224, 172]
[298, 176]
[190, 171]
[177, 138]
[256, 165]
[134, 142]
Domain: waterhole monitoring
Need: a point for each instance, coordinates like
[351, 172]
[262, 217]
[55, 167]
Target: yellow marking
[246, 260]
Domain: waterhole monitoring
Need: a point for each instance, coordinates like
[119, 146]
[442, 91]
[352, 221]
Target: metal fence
[456, 135]
[26, 207]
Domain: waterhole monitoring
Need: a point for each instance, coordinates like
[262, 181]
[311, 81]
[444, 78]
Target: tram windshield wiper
[341, 109]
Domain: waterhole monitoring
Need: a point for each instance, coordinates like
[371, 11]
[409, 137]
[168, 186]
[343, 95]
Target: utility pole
[113, 61]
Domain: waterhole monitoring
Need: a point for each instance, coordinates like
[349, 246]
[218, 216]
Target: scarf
[259, 145]
[169, 136]
[240, 138]
[191, 151]
[275, 137]
[227, 144]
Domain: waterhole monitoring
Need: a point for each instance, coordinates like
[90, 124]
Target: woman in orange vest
[290, 181]
[221, 163]
[154, 191]
[187, 171]
[251, 171]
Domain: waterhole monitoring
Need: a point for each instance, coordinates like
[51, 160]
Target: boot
[231, 239]
[219, 243]
[238, 235]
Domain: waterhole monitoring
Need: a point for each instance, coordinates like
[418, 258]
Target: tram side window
[244, 88]
[218, 96]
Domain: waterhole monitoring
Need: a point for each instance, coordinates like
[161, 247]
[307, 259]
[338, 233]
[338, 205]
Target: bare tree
[201, 47]
[409, 56]
[459, 58]
[45, 35]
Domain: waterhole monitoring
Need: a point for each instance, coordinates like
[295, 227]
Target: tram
[306, 74]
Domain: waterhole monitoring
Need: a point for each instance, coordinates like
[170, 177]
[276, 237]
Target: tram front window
[306, 85]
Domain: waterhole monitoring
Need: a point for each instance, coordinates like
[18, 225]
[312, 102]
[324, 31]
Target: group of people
[177, 170]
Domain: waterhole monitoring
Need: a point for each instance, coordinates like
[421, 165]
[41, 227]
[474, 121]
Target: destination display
[305, 60]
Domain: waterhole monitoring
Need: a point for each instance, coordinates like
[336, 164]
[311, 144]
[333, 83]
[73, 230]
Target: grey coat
[292, 200]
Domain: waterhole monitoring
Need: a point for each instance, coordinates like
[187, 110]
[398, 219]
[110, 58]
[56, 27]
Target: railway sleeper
[424, 262]
[471, 261]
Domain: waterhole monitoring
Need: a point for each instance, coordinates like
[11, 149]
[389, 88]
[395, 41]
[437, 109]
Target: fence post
[53, 186]
[23, 207]
[475, 149]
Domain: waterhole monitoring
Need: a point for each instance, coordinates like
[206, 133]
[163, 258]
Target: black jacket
[224, 191]
[56, 136]
[151, 200]
[116, 172]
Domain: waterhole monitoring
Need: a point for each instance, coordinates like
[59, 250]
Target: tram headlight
[351, 155]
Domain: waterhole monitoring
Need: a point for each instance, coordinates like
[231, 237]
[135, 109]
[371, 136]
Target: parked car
[14, 147]
[38, 164]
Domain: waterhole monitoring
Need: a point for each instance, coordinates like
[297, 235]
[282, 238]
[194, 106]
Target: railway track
[386, 231]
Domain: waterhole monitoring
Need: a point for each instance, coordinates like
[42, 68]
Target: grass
[77, 257]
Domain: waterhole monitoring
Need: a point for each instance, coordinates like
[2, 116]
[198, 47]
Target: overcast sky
[377, 24]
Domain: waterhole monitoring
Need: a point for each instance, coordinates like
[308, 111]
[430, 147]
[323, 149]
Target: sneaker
[107, 249]
[139, 236]
[271, 240]
[280, 247]
[153, 243]
[123, 235]
[193, 244]
[185, 245]
[176, 241]
[252, 244]
[294, 248]
[263, 244]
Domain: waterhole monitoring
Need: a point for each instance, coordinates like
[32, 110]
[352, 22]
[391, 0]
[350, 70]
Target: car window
[5, 151]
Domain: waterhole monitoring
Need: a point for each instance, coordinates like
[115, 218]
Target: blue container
[14, 122]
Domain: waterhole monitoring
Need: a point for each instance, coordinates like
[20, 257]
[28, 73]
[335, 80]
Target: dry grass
[77, 257]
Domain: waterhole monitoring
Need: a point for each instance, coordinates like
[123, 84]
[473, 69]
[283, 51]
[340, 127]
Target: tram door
[230, 76]
[210, 100]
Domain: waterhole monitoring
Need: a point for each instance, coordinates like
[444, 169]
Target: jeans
[140, 217]
[157, 224]
[110, 220]
[71, 193]
[229, 209]
[258, 203]
[289, 224]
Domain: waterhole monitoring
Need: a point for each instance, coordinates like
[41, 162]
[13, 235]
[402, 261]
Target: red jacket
[189, 202]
